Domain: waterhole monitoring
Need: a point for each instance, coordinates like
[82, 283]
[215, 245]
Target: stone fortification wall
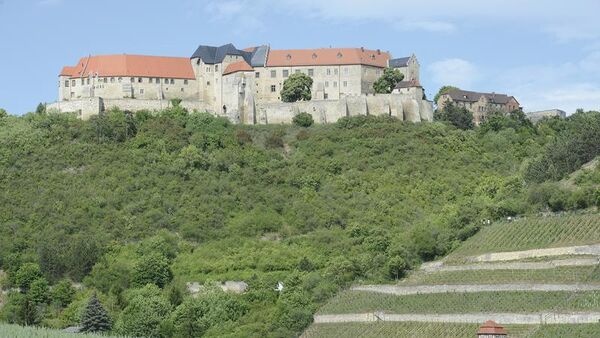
[401, 106]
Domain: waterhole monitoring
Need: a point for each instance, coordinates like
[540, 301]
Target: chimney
[378, 51]
[362, 49]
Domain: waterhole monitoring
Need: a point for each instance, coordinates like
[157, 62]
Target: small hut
[491, 329]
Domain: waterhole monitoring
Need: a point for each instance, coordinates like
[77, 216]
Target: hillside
[134, 207]
[520, 274]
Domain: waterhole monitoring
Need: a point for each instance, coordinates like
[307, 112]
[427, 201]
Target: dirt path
[427, 289]
[430, 268]
[504, 318]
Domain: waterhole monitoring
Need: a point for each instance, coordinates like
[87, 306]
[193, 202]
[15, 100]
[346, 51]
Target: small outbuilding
[491, 329]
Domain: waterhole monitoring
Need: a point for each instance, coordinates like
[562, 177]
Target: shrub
[303, 120]
[94, 317]
[152, 269]
[297, 88]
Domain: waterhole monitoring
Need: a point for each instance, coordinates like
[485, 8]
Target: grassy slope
[15, 331]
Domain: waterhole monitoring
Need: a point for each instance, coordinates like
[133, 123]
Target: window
[273, 89]
[326, 84]
[257, 75]
[328, 71]
[67, 83]
[172, 81]
[208, 69]
[297, 71]
[72, 83]
[273, 73]
[334, 84]
[112, 80]
[82, 81]
[105, 80]
[208, 83]
[139, 79]
[311, 72]
[166, 81]
[335, 71]
[325, 96]
[346, 70]
[88, 80]
[216, 68]
[120, 79]
[345, 83]
[185, 82]
[182, 90]
[141, 90]
[378, 72]
[286, 73]
[132, 80]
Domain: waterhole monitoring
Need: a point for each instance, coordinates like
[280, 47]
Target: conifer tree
[94, 317]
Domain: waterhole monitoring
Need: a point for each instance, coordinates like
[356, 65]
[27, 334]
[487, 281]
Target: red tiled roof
[491, 327]
[327, 56]
[240, 66]
[132, 65]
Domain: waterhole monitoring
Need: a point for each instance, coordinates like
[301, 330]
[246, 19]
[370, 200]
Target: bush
[303, 120]
[95, 318]
[63, 293]
[459, 117]
[26, 275]
[296, 88]
[152, 269]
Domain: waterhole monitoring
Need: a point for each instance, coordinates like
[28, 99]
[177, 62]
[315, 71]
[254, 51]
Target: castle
[479, 104]
[244, 85]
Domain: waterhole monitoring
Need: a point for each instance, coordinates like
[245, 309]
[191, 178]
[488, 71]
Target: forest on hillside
[132, 206]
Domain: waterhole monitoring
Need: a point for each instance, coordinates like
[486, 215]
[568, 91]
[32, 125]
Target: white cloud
[456, 72]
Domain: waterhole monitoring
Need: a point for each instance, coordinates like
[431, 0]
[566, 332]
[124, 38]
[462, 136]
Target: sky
[544, 52]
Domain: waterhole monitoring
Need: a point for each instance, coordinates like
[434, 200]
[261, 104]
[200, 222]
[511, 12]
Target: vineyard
[560, 275]
[476, 302]
[532, 233]
[446, 330]
[570, 269]
[15, 331]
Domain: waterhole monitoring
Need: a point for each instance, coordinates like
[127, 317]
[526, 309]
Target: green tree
[297, 88]
[3, 113]
[41, 108]
[94, 317]
[39, 291]
[63, 293]
[459, 117]
[152, 269]
[145, 312]
[396, 267]
[498, 120]
[303, 120]
[442, 91]
[26, 275]
[386, 83]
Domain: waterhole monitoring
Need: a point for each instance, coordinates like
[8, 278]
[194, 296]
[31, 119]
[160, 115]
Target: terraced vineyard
[533, 233]
[15, 331]
[446, 330]
[449, 298]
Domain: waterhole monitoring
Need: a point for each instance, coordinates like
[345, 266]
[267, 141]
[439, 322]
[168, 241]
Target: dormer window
[289, 57]
[339, 55]
[314, 56]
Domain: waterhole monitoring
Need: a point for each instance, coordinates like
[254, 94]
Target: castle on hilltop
[244, 85]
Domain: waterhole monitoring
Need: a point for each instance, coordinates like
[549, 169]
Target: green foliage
[41, 108]
[303, 120]
[396, 267]
[3, 113]
[152, 268]
[516, 119]
[37, 332]
[26, 275]
[387, 82]
[39, 291]
[296, 88]
[63, 293]
[196, 315]
[144, 314]
[94, 317]
[442, 91]
[576, 143]
[459, 117]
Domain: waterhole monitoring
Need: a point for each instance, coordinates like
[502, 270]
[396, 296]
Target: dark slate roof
[400, 62]
[468, 96]
[407, 84]
[211, 55]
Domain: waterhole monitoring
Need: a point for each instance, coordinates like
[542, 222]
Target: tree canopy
[459, 117]
[387, 82]
[442, 91]
[297, 87]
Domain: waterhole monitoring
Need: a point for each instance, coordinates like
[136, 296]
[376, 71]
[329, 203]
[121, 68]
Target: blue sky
[546, 53]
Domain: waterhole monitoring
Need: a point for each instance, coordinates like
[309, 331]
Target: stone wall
[403, 107]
